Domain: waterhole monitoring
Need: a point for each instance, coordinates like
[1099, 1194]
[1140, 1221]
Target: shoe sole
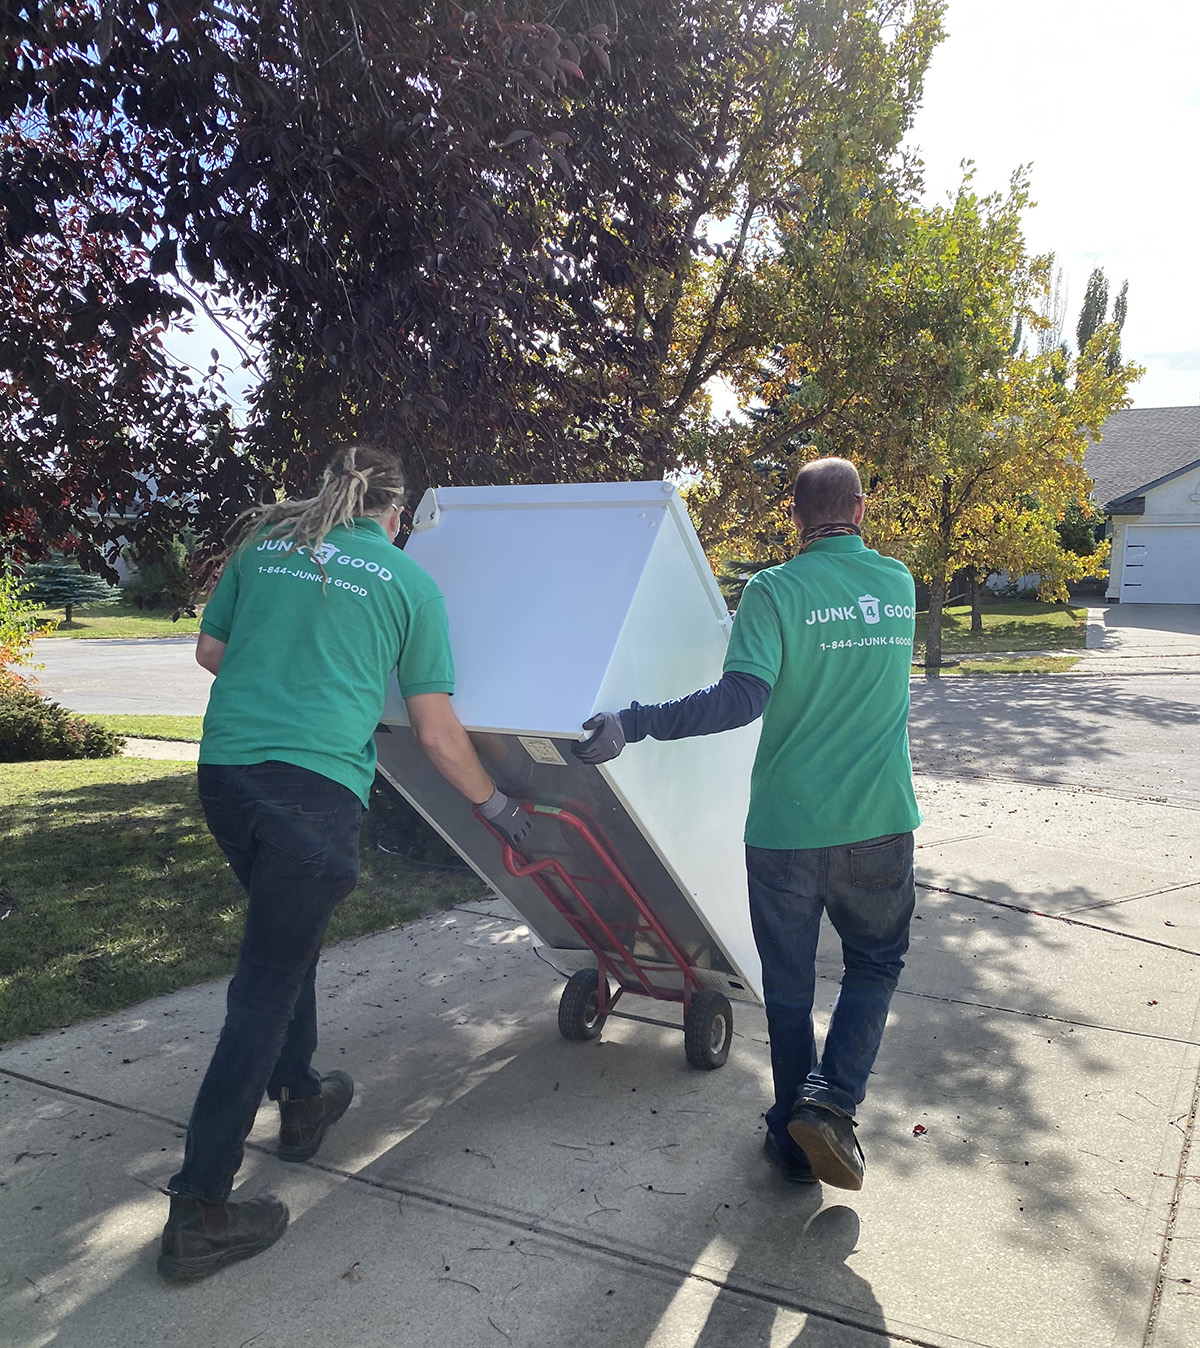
[828, 1166]
[177, 1268]
[310, 1149]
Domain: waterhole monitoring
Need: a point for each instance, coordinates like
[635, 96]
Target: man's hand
[510, 818]
[606, 742]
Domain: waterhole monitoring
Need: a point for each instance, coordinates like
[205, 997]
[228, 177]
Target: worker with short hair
[314, 610]
[821, 648]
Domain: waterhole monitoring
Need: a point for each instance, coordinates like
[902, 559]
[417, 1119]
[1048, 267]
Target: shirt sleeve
[756, 642]
[736, 700]
[426, 664]
[217, 618]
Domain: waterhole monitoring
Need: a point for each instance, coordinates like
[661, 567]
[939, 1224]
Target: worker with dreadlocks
[314, 610]
[821, 648]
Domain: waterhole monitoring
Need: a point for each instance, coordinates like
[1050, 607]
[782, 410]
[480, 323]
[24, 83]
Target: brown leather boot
[302, 1123]
[199, 1237]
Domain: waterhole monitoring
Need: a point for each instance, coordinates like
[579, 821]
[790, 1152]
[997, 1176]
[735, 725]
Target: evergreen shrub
[34, 728]
[62, 583]
[165, 581]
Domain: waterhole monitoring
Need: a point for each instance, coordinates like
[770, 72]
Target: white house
[1146, 468]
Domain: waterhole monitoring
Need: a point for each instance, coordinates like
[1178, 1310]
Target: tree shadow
[1003, 1137]
[617, 1151]
[1065, 729]
[115, 892]
[1181, 619]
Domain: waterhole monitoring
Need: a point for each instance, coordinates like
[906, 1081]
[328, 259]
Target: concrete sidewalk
[1142, 638]
[1027, 1134]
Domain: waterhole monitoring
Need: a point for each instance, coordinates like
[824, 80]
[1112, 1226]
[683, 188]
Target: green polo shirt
[832, 632]
[310, 646]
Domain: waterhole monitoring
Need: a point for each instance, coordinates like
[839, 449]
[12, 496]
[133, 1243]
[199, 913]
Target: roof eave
[1127, 497]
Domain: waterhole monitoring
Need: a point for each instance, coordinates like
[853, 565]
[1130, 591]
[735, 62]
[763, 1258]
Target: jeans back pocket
[882, 863]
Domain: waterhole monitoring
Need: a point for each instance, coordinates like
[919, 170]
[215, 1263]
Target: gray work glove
[512, 819]
[606, 742]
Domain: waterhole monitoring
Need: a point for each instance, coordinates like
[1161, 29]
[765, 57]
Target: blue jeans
[291, 837]
[867, 890]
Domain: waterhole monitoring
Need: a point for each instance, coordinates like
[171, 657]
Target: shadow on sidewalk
[575, 1186]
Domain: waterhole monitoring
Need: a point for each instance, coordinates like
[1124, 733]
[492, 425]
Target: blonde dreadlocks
[359, 481]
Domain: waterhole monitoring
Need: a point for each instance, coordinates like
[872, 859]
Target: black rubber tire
[578, 1017]
[708, 1031]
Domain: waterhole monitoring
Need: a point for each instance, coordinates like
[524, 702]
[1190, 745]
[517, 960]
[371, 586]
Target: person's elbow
[209, 652]
[434, 724]
[434, 739]
[442, 743]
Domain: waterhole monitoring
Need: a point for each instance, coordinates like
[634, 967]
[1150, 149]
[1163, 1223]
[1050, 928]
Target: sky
[1102, 99]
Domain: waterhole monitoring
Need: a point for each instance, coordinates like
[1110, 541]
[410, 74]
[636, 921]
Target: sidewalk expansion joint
[1059, 917]
[1181, 1179]
[1053, 784]
[635, 1259]
[1042, 1016]
[774, 1297]
[92, 1099]
[1134, 898]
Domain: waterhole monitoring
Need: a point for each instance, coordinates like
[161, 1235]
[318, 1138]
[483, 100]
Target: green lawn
[1029, 664]
[112, 890]
[1009, 625]
[153, 727]
[122, 619]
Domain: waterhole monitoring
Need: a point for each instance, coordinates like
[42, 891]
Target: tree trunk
[933, 636]
[976, 601]
[67, 619]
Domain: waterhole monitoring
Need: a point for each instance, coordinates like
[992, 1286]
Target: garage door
[1161, 564]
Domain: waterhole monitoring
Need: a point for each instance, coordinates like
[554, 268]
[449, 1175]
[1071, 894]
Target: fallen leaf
[352, 1274]
[919, 1130]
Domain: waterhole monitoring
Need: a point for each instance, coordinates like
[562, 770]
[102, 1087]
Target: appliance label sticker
[542, 751]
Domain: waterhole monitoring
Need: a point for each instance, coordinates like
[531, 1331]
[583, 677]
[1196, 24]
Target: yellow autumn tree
[909, 359]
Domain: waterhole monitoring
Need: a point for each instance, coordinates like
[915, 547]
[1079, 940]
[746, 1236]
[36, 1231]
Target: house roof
[1141, 448]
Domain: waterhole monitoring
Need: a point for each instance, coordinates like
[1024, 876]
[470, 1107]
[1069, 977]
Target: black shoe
[792, 1165]
[827, 1139]
[199, 1238]
[302, 1123]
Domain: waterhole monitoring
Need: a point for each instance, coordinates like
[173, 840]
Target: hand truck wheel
[708, 1030]
[579, 1015]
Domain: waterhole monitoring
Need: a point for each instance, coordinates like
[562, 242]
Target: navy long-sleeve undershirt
[736, 700]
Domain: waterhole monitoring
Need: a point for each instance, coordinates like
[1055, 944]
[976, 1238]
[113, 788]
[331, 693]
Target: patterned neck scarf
[828, 531]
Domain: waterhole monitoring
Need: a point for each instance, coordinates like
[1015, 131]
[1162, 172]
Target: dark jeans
[291, 836]
[867, 890]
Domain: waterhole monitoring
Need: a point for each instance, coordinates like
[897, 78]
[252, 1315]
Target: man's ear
[860, 509]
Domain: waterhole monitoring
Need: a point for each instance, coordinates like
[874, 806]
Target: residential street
[1032, 1175]
[147, 677]
[1136, 734]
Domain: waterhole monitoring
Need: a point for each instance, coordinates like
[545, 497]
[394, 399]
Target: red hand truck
[587, 1000]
